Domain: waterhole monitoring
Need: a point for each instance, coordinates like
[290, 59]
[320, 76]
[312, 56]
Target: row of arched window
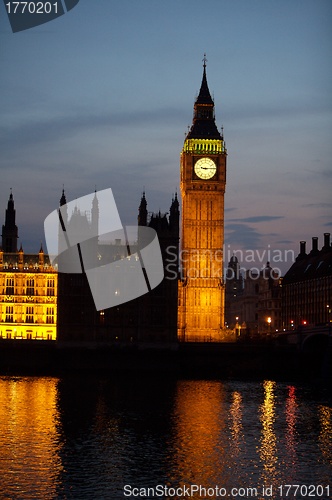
[29, 314]
[30, 287]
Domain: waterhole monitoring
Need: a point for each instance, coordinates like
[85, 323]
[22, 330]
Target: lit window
[50, 287]
[29, 315]
[50, 315]
[30, 286]
[9, 314]
[10, 286]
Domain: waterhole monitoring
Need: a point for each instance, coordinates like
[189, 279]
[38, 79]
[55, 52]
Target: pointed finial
[63, 200]
[204, 61]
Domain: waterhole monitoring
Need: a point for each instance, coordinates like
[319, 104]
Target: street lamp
[269, 320]
[237, 327]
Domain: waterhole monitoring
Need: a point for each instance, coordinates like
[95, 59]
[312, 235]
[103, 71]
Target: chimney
[326, 241]
[302, 253]
[302, 247]
[314, 250]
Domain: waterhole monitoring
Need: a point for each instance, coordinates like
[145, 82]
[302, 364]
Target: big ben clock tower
[202, 182]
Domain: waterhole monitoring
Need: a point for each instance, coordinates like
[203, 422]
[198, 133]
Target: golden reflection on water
[291, 419]
[207, 434]
[236, 423]
[325, 434]
[268, 441]
[198, 424]
[29, 437]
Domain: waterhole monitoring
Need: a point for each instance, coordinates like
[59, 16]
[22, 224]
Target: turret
[62, 203]
[142, 218]
[41, 259]
[174, 215]
[9, 229]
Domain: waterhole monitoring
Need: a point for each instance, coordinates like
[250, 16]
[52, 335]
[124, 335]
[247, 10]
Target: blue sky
[103, 96]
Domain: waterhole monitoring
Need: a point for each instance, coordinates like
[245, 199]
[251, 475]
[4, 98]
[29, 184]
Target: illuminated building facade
[28, 288]
[202, 182]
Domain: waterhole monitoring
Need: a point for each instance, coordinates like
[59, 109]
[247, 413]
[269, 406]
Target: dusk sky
[103, 96]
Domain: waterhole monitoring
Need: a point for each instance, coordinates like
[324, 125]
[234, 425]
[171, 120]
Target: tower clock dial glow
[205, 168]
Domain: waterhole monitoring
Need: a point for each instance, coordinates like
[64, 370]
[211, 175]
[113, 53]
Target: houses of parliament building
[39, 303]
[28, 288]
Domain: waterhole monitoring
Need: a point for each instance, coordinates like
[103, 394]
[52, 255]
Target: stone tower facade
[202, 183]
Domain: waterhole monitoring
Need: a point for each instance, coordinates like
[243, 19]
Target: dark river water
[145, 437]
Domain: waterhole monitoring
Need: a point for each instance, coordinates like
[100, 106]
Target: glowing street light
[269, 321]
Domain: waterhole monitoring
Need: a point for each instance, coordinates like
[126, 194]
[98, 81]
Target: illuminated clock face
[205, 168]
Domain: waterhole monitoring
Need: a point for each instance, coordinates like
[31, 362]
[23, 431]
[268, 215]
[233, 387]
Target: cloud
[242, 235]
[271, 115]
[258, 218]
[324, 173]
[67, 126]
[317, 205]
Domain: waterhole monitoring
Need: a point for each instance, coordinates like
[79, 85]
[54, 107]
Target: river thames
[81, 437]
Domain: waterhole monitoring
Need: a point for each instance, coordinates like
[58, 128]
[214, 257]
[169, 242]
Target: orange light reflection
[268, 442]
[29, 437]
[199, 423]
[325, 435]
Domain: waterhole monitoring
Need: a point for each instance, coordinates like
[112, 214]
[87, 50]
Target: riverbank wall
[225, 360]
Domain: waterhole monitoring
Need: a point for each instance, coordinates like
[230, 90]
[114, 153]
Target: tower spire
[204, 126]
[204, 96]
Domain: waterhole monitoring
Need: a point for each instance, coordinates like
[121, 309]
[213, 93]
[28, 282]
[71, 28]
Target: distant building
[269, 301]
[28, 288]
[234, 289]
[307, 285]
[253, 301]
[149, 318]
[250, 302]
